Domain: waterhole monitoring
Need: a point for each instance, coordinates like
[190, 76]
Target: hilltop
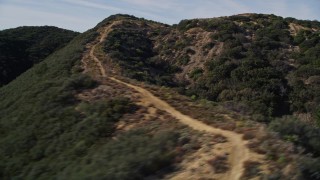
[257, 59]
[22, 47]
[225, 98]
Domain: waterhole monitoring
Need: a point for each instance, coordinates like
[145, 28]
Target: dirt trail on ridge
[107, 30]
[240, 152]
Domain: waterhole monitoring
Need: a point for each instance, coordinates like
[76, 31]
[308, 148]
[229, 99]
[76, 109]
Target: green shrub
[310, 168]
[196, 73]
[305, 135]
[133, 156]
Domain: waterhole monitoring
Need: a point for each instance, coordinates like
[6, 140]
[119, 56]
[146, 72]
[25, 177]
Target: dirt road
[239, 154]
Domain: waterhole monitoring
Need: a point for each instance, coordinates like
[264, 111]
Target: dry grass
[219, 139]
[250, 134]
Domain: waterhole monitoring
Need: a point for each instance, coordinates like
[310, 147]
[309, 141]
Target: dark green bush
[310, 168]
[306, 135]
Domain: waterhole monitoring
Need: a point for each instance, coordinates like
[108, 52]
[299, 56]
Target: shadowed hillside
[22, 47]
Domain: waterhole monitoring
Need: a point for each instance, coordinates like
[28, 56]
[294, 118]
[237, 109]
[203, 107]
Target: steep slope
[239, 154]
[22, 47]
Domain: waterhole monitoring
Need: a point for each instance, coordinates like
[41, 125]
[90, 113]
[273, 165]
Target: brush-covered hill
[22, 47]
[264, 65]
[87, 111]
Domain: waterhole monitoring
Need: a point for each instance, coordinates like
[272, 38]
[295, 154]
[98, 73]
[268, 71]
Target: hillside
[222, 98]
[258, 60]
[22, 47]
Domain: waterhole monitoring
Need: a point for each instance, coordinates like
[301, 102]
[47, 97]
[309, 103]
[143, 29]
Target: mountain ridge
[83, 125]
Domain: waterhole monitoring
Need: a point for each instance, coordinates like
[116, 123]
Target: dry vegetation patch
[252, 169]
[219, 163]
